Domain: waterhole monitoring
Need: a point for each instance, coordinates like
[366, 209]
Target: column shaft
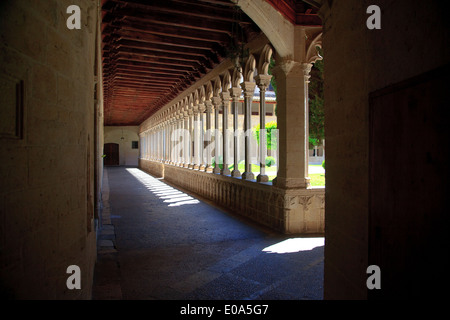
[292, 119]
[263, 82]
[226, 105]
[209, 109]
[216, 102]
[235, 94]
[249, 89]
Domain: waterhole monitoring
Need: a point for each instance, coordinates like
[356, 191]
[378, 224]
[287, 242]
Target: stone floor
[159, 243]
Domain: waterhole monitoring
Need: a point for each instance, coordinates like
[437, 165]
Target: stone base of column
[209, 169]
[262, 178]
[191, 166]
[202, 168]
[196, 167]
[216, 169]
[285, 183]
[236, 173]
[248, 176]
[186, 165]
[225, 171]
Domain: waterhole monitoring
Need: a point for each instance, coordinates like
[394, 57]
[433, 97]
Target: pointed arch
[195, 98]
[201, 94]
[217, 87]
[264, 59]
[208, 90]
[249, 69]
[236, 77]
[312, 54]
[226, 81]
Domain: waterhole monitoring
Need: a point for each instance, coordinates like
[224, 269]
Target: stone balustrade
[288, 211]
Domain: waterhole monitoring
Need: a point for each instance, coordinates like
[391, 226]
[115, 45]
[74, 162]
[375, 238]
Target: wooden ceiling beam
[154, 50]
[161, 40]
[162, 77]
[164, 48]
[158, 54]
[176, 20]
[221, 13]
[167, 63]
[149, 70]
[166, 31]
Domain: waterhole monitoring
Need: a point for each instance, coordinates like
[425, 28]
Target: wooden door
[111, 150]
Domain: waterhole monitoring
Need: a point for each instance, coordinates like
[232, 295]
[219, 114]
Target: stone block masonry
[45, 176]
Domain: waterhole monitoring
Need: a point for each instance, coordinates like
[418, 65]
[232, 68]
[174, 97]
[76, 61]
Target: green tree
[270, 134]
[316, 105]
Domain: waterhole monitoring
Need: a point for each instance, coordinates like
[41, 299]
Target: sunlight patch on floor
[167, 194]
[295, 245]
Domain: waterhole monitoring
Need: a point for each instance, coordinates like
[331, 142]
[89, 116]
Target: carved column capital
[263, 81]
[235, 93]
[249, 88]
[216, 101]
[209, 106]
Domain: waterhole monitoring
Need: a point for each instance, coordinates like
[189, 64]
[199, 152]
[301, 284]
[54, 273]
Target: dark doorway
[409, 178]
[111, 151]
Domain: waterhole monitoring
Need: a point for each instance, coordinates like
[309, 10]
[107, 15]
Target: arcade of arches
[181, 78]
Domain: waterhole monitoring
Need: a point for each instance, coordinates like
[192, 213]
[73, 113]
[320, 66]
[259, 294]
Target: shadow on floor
[160, 243]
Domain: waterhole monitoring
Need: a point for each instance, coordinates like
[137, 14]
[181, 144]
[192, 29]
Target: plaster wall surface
[127, 155]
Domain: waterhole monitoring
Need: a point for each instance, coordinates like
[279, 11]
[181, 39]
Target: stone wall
[299, 211]
[358, 61]
[46, 149]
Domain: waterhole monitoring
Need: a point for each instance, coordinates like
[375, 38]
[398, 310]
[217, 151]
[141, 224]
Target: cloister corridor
[161, 243]
[161, 150]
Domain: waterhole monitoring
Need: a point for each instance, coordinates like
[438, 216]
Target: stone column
[183, 142]
[171, 129]
[152, 144]
[158, 142]
[226, 106]
[164, 142]
[201, 139]
[216, 102]
[249, 90]
[292, 117]
[209, 109]
[196, 140]
[174, 142]
[191, 139]
[155, 139]
[167, 142]
[235, 95]
[180, 149]
[263, 82]
[187, 140]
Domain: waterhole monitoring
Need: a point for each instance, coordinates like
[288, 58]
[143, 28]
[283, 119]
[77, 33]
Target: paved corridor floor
[158, 242]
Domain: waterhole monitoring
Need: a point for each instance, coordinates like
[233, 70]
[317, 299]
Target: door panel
[111, 150]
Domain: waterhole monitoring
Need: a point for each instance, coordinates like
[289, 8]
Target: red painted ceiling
[155, 49]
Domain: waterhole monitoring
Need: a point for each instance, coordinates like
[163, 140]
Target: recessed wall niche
[11, 107]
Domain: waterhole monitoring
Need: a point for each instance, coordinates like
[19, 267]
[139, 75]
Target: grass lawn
[317, 179]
